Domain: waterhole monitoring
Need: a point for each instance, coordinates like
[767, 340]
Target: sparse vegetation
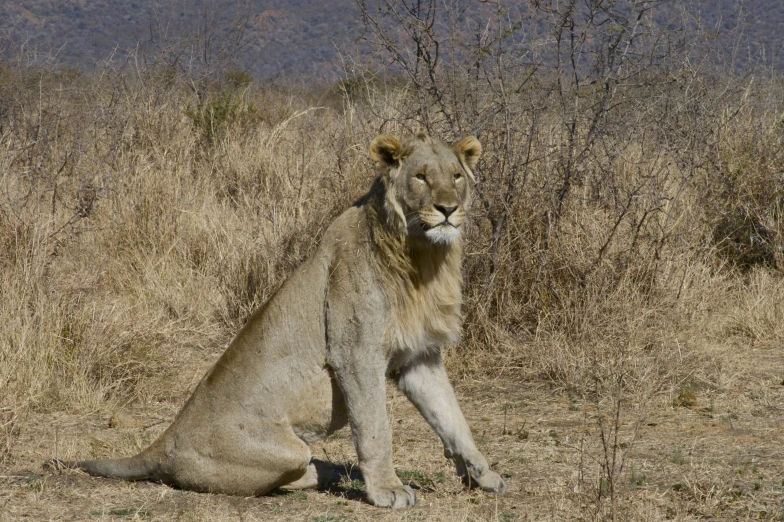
[627, 252]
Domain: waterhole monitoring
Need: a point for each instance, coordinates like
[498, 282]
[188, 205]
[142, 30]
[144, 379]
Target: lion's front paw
[488, 481]
[394, 497]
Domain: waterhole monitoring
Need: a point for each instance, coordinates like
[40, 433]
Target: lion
[377, 300]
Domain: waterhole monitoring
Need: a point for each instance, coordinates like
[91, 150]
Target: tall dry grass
[133, 236]
[143, 218]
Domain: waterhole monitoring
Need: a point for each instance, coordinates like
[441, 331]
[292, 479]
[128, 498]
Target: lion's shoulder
[347, 232]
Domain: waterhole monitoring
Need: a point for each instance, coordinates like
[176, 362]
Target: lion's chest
[427, 316]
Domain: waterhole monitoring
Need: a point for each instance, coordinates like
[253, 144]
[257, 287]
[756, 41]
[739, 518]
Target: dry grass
[720, 460]
[140, 225]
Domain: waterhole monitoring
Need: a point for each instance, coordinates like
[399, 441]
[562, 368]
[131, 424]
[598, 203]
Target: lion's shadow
[341, 480]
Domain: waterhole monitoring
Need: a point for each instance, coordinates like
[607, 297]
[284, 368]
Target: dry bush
[628, 190]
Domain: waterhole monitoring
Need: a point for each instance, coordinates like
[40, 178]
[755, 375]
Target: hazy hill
[266, 37]
[279, 38]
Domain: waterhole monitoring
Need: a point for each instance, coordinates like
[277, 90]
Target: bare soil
[720, 458]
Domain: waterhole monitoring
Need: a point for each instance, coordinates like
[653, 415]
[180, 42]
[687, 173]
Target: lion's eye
[458, 176]
[421, 177]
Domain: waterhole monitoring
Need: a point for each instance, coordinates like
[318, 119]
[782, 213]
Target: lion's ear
[386, 150]
[468, 151]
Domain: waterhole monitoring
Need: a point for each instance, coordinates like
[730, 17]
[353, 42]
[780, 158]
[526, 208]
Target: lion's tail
[139, 467]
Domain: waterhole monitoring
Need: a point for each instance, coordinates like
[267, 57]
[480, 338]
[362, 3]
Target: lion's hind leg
[244, 466]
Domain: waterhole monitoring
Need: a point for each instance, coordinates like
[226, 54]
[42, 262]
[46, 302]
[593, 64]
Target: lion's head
[427, 184]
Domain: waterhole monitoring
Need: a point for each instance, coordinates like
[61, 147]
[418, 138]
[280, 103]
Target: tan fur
[379, 297]
[468, 150]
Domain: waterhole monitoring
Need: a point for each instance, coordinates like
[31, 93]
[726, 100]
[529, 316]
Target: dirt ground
[717, 456]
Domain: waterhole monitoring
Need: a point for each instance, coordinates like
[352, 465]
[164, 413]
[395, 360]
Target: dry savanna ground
[720, 458]
[623, 352]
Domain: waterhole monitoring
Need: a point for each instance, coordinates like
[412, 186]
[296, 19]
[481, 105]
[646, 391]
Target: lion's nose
[446, 211]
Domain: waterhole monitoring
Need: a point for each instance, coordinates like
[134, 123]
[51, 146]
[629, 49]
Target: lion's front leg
[426, 384]
[356, 320]
[364, 388]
